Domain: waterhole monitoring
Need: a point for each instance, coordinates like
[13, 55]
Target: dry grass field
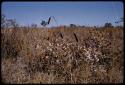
[53, 56]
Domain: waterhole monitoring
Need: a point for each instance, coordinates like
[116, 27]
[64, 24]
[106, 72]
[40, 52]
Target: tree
[8, 23]
[34, 26]
[72, 25]
[3, 21]
[12, 23]
[83, 26]
[108, 25]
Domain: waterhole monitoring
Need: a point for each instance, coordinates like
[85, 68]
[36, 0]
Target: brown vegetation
[54, 55]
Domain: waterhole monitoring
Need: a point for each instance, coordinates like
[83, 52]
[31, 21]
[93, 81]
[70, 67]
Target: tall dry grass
[54, 56]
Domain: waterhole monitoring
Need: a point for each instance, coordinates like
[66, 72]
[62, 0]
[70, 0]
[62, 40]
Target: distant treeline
[11, 23]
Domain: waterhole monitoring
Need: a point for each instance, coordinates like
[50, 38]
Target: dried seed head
[47, 57]
[57, 61]
[37, 46]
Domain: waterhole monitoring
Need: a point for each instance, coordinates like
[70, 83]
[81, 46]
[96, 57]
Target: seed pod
[61, 35]
[75, 37]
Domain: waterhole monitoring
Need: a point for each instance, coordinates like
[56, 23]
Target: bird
[44, 23]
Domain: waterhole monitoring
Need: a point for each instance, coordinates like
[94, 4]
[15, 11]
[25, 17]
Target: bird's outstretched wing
[49, 20]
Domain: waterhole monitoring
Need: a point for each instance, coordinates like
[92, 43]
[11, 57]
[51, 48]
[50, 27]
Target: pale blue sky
[82, 13]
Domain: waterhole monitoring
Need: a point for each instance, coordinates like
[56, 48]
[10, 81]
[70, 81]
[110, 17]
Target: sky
[79, 13]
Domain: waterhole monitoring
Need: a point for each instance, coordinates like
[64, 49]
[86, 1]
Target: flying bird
[44, 23]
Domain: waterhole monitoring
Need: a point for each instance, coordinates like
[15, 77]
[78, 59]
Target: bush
[108, 25]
